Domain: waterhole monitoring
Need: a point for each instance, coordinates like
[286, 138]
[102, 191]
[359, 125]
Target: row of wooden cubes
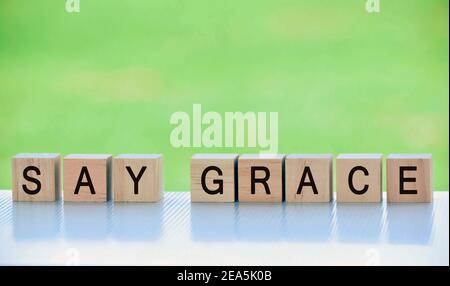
[309, 178]
[88, 178]
[224, 178]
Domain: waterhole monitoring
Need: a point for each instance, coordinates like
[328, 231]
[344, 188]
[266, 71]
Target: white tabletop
[176, 232]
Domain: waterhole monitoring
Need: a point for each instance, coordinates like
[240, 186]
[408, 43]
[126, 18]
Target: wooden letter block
[36, 177]
[87, 178]
[409, 178]
[358, 177]
[260, 178]
[309, 178]
[213, 177]
[138, 178]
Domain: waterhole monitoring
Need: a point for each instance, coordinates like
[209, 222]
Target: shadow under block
[260, 178]
[409, 178]
[137, 178]
[87, 178]
[213, 177]
[309, 178]
[36, 177]
[358, 177]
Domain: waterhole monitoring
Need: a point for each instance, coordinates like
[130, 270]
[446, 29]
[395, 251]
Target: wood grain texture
[99, 168]
[419, 181]
[49, 166]
[274, 182]
[150, 184]
[372, 163]
[226, 164]
[319, 167]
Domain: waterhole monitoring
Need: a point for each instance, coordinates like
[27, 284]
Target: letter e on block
[138, 178]
[260, 178]
[409, 178]
[87, 178]
[213, 177]
[36, 177]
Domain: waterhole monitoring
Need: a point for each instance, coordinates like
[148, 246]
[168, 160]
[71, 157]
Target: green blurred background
[107, 79]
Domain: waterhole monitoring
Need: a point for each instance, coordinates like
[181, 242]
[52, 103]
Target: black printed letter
[84, 171]
[219, 189]
[310, 182]
[403, 180]
[136, 179]
[260, 180]
[350, 180]
[31, 179]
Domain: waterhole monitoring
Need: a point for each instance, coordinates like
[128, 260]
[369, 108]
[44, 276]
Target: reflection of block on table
[142, 221]
[87, 177]
[138, 178]
[36, 177]
[358, 177]
[359, 223]
[213, 221]
[86, 221]
[409, 178]
[213, 177]
[260, 222]
[411, 223]
[260, 178]
[309, 178]
[308, 222]
[36, 221]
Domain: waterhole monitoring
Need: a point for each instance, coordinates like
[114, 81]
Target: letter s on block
[31, 179]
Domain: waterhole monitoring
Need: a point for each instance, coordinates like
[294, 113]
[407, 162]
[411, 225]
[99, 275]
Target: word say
[88, 178]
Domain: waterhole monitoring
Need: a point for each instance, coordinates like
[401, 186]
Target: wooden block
[36, 177]
[138, 178]
[409, 178]
[358, 177]
[309, 178]
[213, 177]
[260, 178]
[87, 178]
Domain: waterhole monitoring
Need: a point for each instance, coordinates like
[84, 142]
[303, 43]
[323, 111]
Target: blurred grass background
[107, 79]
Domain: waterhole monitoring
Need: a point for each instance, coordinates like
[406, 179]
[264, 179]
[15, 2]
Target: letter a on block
[213, 177]
[260, 178]
[409, 178]
[138, 178]
[87, 178]
[36, 177]
[309, 177]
